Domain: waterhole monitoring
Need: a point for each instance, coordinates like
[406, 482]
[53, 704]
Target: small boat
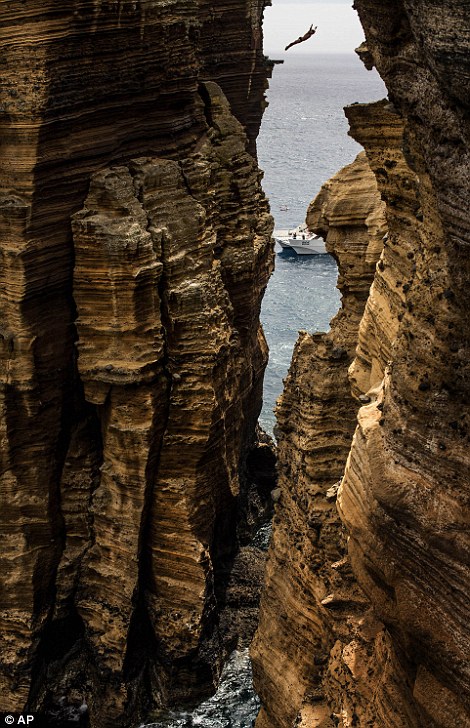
[283, 242]
[301, 240]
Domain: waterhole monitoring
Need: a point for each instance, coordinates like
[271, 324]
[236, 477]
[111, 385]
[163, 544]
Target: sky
[339, 29]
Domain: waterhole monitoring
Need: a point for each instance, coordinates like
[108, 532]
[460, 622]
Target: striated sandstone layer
[305, 570]
[135, 249]
[405, 494]
[385, 642]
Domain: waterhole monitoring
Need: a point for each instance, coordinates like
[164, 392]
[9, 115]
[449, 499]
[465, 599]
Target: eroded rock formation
[307, 577]
[380, 636]
[135, 248]
[405, 493]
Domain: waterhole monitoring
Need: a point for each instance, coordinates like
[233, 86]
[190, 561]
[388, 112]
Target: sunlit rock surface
[405, 494]
[384, 643]
[135, 248]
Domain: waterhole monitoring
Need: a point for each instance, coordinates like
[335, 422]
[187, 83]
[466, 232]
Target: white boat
[301, 240]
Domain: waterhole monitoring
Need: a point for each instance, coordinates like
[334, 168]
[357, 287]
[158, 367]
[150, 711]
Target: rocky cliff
[135, 248]
[307, 572]
[370, 619]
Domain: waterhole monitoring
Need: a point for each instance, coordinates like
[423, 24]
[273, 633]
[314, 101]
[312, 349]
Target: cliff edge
[370, 618]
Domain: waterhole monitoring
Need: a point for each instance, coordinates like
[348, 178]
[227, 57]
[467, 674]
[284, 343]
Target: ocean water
[234, 705]
[303, 142]
[304, 134]
[300, 295]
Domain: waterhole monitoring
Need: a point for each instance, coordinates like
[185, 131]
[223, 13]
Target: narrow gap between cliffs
[303, 142]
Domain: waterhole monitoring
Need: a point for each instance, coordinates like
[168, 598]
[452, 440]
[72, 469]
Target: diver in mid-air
[302, 38]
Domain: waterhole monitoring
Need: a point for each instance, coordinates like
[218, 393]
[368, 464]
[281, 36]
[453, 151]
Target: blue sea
[303, 142]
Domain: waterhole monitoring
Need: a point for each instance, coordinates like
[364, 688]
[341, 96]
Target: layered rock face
[384, 642]
[135, 250]
[316, 419]
[405, 493]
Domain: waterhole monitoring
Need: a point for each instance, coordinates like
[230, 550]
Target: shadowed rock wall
[385, 641]
[135, 248]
